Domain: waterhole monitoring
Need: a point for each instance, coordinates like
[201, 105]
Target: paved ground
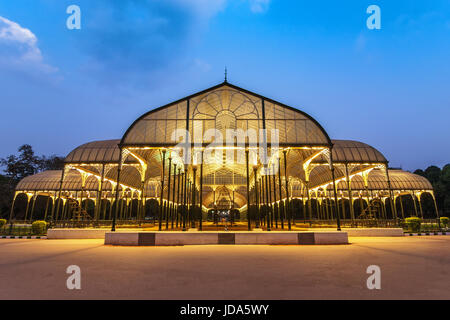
[411, 267]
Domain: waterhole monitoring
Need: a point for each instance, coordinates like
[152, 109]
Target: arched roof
[355, 151]
[49, 181]
[224, 106]
[407, 180]
[400, 180]
[104, 151]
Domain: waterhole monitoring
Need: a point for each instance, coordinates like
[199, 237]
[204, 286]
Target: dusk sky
[390, 88]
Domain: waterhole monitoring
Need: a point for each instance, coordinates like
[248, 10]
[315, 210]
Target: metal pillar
[338, 219]
[437, 211]
[327, 204]
[414, 201]
[59, 194]
[391, 195]
[287, 206]
[255, 173]
[343, 207]
[26, 210]
[361, 204]
[200, 223]
[420, 205]
[141, 212]
[11, 213]
[33, 206]
[184, 197]
[280, 193]
[161, 202]
[248, 190]
[178, 197]
[267, 190]
[173, 211]
[46, 208]
[167, 210]
[275, 196]
[261, 202]
[308, 193]
[193, 207]
[350, 194]
[99, 194]
[401, 206]
[116, 211]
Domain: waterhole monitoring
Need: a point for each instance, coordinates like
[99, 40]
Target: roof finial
[225, 74]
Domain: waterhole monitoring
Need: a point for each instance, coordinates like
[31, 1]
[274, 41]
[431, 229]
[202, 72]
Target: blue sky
[390, 88]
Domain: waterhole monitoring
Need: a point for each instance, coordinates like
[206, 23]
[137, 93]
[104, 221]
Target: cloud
[259, 6]
[133, 42]
[18, 48]
[130, 41]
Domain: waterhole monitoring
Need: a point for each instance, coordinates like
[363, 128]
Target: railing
[101, 223]
[430, 225]
[348, 223]
[23, 228]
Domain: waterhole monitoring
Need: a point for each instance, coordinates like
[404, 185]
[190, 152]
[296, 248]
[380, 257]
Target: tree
[445, 174]
[17, 167]
[21, 166]
[51, 163]
[6, 192]
[440, 180]
[433, 174]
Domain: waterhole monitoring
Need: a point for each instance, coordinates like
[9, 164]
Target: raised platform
[374, 232]
[76, 233]
[121, 238]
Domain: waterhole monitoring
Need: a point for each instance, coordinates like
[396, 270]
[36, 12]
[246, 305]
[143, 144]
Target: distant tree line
[25, 163]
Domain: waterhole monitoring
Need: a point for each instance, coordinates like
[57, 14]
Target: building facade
[224, 151]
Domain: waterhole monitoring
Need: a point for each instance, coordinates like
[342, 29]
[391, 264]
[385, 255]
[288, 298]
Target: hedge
[39, 227]
[413, 223]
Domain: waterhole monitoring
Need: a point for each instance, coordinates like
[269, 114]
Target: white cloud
[259, 6]
[18, 46]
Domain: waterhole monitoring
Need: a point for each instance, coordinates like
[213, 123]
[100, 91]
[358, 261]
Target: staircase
[371, 211]
[78, 214]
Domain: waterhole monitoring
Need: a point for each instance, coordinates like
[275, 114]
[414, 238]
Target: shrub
[444, 221]
[413, 223]
[39, 227]
[3, 222]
